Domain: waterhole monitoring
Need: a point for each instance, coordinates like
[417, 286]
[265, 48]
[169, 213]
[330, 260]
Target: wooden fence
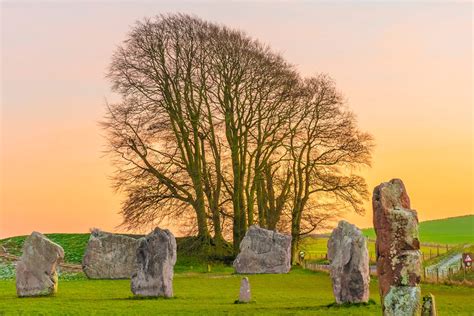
[430, 275]
[428, 251]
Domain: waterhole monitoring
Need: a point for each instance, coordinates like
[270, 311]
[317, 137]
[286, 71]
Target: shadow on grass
[244, 303]
[152, 298]
[350, 305]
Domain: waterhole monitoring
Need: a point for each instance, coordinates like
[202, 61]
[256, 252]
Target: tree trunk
[295, 238]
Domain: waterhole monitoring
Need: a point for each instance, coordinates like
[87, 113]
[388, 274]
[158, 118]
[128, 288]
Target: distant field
[453, 230]
[316, 249]
[450, 231]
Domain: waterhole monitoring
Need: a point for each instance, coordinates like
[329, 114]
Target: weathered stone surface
[244, 294]
[397, 247]
[349, 267]
[402, 300]
[429, 306]
[263, 251]
[156, 257]
[36, 270]
[110, 256]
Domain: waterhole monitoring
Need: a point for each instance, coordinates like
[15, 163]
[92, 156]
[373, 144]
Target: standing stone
[263, 251]
[429, 306]
[349, 268]
[36, 270]
[397, 248]
[110, 256]
[156, 257]
[244, 295]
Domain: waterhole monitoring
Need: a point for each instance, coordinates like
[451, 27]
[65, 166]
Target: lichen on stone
[402, 300]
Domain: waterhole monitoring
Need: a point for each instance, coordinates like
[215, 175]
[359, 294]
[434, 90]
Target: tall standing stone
[110, 256]
[156, 257]
[263, 251]
[349, 267]
[397, 248]
[36, 270]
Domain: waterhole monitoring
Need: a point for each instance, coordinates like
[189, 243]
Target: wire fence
[448, 272]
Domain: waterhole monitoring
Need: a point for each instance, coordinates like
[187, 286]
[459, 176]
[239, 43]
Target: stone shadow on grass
[140, 297]
[349, 305]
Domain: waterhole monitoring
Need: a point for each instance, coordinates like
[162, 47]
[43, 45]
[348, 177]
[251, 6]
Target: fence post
[437, 250]
[424, 274]
[430, 252]
[437, 275]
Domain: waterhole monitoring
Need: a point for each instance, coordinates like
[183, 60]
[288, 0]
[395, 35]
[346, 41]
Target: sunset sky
[405, 69]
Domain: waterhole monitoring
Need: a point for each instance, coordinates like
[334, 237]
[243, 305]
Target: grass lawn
[453, 230]
[300, 292]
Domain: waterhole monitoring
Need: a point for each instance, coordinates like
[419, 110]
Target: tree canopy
[217, 132]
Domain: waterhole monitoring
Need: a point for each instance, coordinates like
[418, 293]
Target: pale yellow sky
[405, 69]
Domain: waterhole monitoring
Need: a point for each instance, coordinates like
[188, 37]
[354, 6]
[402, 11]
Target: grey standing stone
[244, 294]
[263, 251]
[397, 248]
[156, 257]
[349, 267]
[36, 270]
[110, 256]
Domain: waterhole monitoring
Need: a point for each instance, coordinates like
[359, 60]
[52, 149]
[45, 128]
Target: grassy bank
[192, 256]
[74, 245]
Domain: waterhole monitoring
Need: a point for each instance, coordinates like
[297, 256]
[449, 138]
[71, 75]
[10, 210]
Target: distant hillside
[452, 230]
[190, 253]
[73, 244]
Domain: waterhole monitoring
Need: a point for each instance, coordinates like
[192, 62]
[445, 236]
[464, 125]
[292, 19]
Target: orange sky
[405, 69]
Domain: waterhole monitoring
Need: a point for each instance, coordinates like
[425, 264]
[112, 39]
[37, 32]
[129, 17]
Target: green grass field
[453, 230]
[300, 292]
[198, 292]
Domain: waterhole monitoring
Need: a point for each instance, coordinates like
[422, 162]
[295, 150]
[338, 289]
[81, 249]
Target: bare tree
[325, 148]
[159, 68]
[194, 95]
[216, 129]
[252, 92]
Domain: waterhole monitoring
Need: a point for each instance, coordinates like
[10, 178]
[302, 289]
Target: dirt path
[451, 262]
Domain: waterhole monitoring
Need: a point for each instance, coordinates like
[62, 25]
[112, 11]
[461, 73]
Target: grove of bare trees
[216, 132]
